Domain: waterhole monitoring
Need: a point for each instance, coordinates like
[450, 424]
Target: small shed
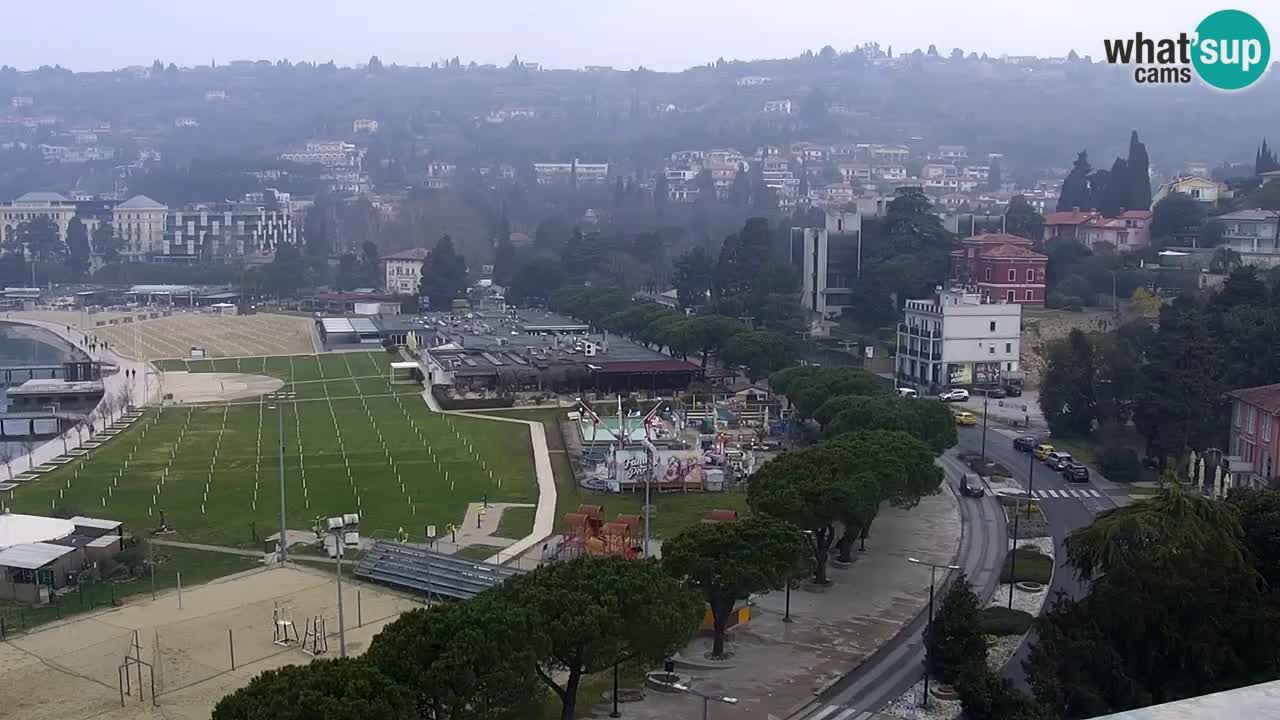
[404, 373]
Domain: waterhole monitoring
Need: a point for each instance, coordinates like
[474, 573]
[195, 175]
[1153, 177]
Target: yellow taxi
[966, 418]
[1042, 451]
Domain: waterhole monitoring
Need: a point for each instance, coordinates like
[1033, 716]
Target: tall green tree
[535, 281]
[463, 661]
[1176, 212]
[759, 352]
[341, 689]
[585, 615]
[78, 250]
[995, 176]
[1023, 220]
[903, 469]
[106, 244]
[692, 278]
[1075, 188]
[347, 276]
[1068, 393]
[39, 237]
[728, 561]
[930, 421]
[954, 637]
[1139, 177]
[1114, 188]
[807, 388]
[444, 275]
[504, 261]
[1174, 609]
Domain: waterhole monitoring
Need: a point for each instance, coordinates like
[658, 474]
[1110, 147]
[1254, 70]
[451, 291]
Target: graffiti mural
[633, 466]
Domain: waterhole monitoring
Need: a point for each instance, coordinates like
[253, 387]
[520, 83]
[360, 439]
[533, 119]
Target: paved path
[779, 667]
[208, 548]
[143, 388]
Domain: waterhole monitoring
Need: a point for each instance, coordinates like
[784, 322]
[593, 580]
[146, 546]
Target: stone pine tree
[728, 561]
[995, 175]
[78, 251]
[954, 638]
[343, 689]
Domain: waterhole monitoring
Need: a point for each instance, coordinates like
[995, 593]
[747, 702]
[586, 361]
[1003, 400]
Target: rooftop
[140, 202]
[1266, 397]
[1255, 214]
[17, 529]
[996, 239]
[410, 254]
[1070, 217]
[32, 555]
[52, 386]
[42, 197]
[1013, 251]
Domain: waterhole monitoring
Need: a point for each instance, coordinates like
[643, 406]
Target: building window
[993, 326]
[1013, 276]
[1031, 275]
[1251, 421]
[987, 274]
[1009, 296]
[991, 350]
[1031, 295]
[1008, 347]
[1266, 428]
[1239, 414]
[1008, 367]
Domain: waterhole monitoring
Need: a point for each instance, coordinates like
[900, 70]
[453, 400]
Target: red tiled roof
[1266, 397]
[1013, 251]
[648, 366]
[1071, 217]
[1136, 214]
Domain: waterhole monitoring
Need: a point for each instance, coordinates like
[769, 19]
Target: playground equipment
[586, 531]
[133, 665]
[283, 631]
[315, 641]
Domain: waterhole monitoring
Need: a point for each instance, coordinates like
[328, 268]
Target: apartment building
[583, 173]
[1254, 446]
[958, 338]
[33, 205]
[1254, 234]
[1001, 268]
[140, 223]
[223, 230]
[329, 153]
[403, 270]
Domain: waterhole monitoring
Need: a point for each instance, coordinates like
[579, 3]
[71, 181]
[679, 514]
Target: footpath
[775, 667]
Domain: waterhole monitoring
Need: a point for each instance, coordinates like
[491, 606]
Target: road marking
[822, 712]
[1052, 493]
[845, 715]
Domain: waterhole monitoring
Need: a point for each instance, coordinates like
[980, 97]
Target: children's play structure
[586, 531]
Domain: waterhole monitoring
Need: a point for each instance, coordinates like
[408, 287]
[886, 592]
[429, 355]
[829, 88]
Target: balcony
[919, 331]
[935, 356]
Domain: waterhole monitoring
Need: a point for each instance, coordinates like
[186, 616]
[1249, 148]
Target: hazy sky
[659, 34]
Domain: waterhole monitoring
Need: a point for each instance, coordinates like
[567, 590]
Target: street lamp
[706, 699]
[933, 579]
[1013, 556]
[282, 552]
[345, 531]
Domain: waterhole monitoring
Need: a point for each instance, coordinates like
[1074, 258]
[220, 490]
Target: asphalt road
[1066, 506]
[896, 665]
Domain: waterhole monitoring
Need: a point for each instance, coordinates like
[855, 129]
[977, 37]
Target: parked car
[1042, 451]
[971, 486]
[957, 395]
[966, 418]
[1057, 459]
[908, 393]
[1075, 472]
[996, 392]
[1025, 443]
[1013, 390]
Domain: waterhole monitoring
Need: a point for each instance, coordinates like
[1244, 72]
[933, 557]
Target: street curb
[1053, 572]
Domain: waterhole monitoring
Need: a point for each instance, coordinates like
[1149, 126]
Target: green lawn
[516, 522]
[217, 470]
[1030, 565]
[478, 552]
[337, 375]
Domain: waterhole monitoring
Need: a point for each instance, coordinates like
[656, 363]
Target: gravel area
[907, 705]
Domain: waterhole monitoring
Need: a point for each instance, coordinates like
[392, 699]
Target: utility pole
[281, 546]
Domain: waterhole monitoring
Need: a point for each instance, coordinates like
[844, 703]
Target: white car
[906, 392]
[957, 395]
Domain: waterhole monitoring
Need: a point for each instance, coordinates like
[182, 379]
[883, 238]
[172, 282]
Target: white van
[908, 392]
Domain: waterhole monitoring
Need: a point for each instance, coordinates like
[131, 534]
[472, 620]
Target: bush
[954, 639]
[984, 695]
[1031, 566]
[1002, 621]
[1120, 464]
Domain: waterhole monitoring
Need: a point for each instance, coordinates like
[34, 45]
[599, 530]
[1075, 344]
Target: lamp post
[933, 579]
[339, 527]
[706, 699]
[615, 713]
[282, 544]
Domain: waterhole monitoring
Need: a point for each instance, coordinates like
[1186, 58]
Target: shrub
[984, 695]
[954, 639]
[1002, 621]
[1120, 464]
[1030, 566]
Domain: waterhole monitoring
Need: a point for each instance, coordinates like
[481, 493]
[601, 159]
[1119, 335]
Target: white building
[186, 122]
[403, 270]
[21, 101]
[778, 106]
[586, 173]
[753, 81]
[34, 205]
[139, 223]
[215, 95]
[329, 153]
[364, 125]
[956, 339]
[1196, 188]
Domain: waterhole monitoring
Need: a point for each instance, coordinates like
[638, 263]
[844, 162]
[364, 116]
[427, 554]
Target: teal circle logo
[1232, 50]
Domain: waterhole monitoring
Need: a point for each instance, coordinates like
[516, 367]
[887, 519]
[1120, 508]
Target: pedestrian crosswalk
[832, 712]
[1066, 493]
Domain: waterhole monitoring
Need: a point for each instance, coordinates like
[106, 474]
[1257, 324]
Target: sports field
[218, 335]
[352, 443]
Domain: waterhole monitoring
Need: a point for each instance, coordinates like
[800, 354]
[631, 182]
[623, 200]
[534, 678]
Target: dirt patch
[217, 387]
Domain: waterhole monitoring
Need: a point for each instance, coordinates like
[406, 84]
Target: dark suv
[1025, 443]
[1075, 472]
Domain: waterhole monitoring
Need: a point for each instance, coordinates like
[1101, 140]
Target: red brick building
[1003, 267]
[1254, 450]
